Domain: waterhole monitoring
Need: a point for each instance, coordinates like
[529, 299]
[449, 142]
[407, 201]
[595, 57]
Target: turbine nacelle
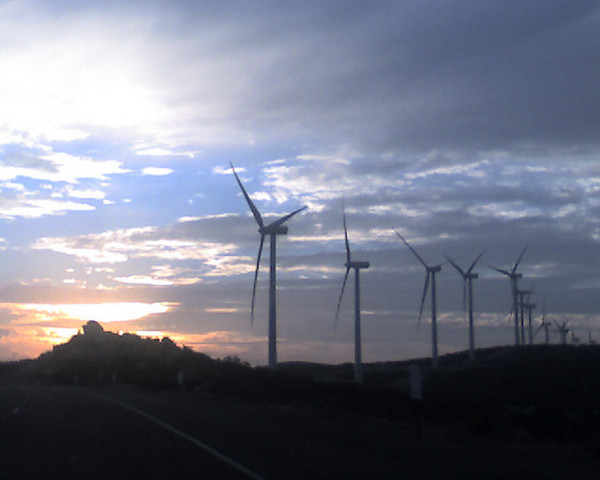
[273, 230]
[434, 269]
[356, 264]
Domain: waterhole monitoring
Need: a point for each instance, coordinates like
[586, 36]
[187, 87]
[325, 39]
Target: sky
[463, 125]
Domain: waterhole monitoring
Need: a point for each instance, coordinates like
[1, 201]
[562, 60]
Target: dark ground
[77, 432]
[514, 413]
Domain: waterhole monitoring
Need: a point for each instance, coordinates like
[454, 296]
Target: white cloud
[86, 194]
[59, 167]
[157, 171]
[40, 207]
[163, 152]
[144, 280]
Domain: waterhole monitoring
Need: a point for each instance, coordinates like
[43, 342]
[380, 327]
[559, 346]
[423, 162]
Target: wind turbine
[513, 275]
[529, 307]
[524, 305]
[563, 330]
[468, 277]
[591, 341]
[574, 339]
[272, 230]
[355, 265]
[545, 325]
[430, 270]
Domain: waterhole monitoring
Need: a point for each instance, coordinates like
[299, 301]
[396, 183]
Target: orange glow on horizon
[101, 312]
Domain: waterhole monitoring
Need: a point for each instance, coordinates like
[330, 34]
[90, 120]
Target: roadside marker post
[416, 395]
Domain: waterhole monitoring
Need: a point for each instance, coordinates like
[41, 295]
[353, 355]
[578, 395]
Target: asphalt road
[84, 433]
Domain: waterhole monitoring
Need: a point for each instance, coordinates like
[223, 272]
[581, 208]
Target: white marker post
[416, 394]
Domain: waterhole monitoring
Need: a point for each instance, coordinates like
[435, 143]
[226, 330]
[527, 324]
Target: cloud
[86, 194]
[161, 152]
[20, 207]
[157, 171]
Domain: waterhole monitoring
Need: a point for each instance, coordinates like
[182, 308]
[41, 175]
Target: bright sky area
[464, 125]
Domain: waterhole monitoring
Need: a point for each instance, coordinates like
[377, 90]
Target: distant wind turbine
[513, 275]
[430, 270]
[273, 229]
[574, 339]
[527, 305]
[356, 266]
[562, 331]
[591, 341]
[545, 325]
[468, 277]
[523, 305]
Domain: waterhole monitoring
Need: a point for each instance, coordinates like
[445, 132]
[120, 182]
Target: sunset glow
[101, 312]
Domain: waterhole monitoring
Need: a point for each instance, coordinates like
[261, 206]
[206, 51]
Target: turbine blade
[518, 260]
[346, 238]
[460, 270]
[510, 314]
[423, 297]
[262, 241]
[285, 218]
[544, 309]
[475, 262]
[411, 249]
[538, 329]
[337, 311]
[255, 211]
[505, 272]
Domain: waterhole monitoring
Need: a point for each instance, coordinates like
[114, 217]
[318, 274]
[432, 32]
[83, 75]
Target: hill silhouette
[98, 357]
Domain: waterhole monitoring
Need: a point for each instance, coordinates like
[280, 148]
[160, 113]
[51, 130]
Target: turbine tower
[431, 271]
[272, 230]
[356, 265]
[527, 305]
[591, 341]
[468, 277]
[523, 306]
[514, 276]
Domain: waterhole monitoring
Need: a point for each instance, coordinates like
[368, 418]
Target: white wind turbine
[468, 277]
[429, 277]
[272, 230]
[355, 265]
[514, 276]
